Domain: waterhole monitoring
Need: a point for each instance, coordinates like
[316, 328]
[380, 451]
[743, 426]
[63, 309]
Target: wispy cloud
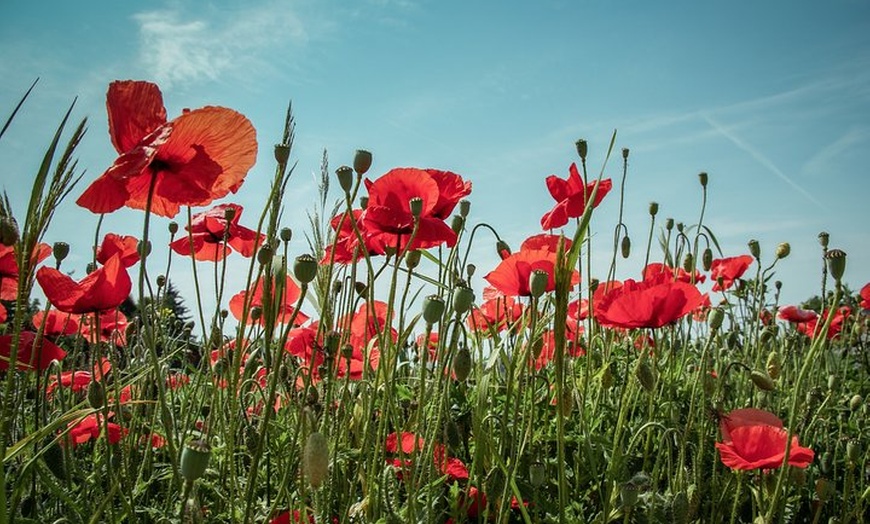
[759, 157]
[821, 162]
[176, 47]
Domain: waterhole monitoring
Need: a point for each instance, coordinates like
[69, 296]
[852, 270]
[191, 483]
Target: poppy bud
[783, 250]
[305, 268]
[96, 394]
[285, 234]
[628, 495]
[469, 270]
[161, 280]
[680, 227]
[264, 255]
[464, 207]
[416, 206]
[457, 223]
[855, 402]
[702, 177]
[625, 153]
[853, 451]
[463, 297]
[715, 318]
[330, 345]
[707, 259]
[538, 282]
[60, 250]
[607, 376]
[762, 381]
[625, 246]
[833, 382]
[256, 313]
[194, 459]
[774, 365]
[412, 258]
[173, 227]
[433, 309]
[669, 224]
[836, 263]
[315, 458]
[825, 489]
[824, 237]
[582, 148]
[336, 287]
[537, 474]
[462, 364]
[361, 288]
[143, 248]
[345, 178]
[754, 249]
[767, 334]
[347, 351]
[689, 263]
[653, 208]
[645, 376]
[777, 284]
[9, 234]
[362, 161]
[593, 284]
[363, 202]
[503, 249]
[282, 153]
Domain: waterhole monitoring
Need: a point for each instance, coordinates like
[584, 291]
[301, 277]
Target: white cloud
[826, 157]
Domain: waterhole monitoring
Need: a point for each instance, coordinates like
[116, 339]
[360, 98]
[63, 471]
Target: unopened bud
[689, 263]
[853, 451]
[754, 249]
[715, 318]
[783, 250]
[762, 381]
[60, 250]
[463, 297]
[457, 223]
[412, 258]
[173, 227]
[653, 208]
[469, 270]
[462, 364]
[538, 281]
[143, 248]
[625, 246]
[362, 161]
[305, 268]
[161, 280]
[9, 234]
[582, 148]
[503, 249]
[646, 376]
[855, 402]
[833, 382]
[286, 234]
[315, 459]
[264, 255]
[680, 227]
[836, 263]
[256, 313]
[707, 259]
[363, 202]
[361, 288]
[96, 394]
[345, 178]
[433, 309]
[702, 177]
[625, 153]
[774, 365]
[669, 223]
[282, 153]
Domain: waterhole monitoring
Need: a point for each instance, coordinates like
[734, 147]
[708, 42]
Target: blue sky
[772, 99]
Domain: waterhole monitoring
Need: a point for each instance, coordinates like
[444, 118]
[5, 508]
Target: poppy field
[359, 376]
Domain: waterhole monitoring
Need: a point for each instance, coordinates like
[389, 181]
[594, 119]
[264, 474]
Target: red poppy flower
[651, 303]
[452, 467]
[345, 244]
[388, 218]
[126, 246]
[91, 427]
[3, 314]
[512, 274]
[796, 314]
[29, 357]
[105, 288]
[865, 296]
[56, 323]
[725, 271]
[289, 296]
[9, 268]
[495, 313]
[285, 518]
[198, 157]
[678, 273]
[755, 439]
[809, 327]
[112, 327]
[209, 229]
[548, 350]
[572, 197]
[78, 380]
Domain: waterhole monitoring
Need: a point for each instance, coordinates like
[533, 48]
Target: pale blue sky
[772, 99]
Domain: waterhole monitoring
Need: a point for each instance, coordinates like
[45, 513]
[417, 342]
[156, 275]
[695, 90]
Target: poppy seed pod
[625, 246]
[8, 231]
[762, 381]
[60, 250]
[463, 297]
[469, 270]
[537, 474]
[824, 238]
[362, 161]
[286, 234]
[669, 223]
[264, 255]
[315, 459]
[462, 364]
[229, 213]
[715, 318]
[836, 263]
[194, 459]
[412, 258]
[653, 208]
[538, 282]
[853, 451]
[330, 345]
[433, 309]
[582, 148]
[457, 223]
[625, 153]
[416, 206]
[345, 178]
[143, 248]
[703, 177]
[707, 259]
[783, 250]
[305, 268]
[282, 153]
[754, 249]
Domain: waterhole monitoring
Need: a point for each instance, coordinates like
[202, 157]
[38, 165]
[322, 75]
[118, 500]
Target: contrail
[760, 158]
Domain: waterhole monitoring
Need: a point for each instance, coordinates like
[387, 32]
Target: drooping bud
[463, 297]
[96, 394]
[464, 207]
[836, 263]
[582, 148]
[689, 263]
[824, 238]
[362, 161]
[60, 250]
[702, 177]
[361, 288]
[754, 249]
[625, 246]
[462, 364]
[538, 282]
[707, 259]
[774, 365]
[433, 309]
[305, 268]
[194, 459]
[653, 208]
[315, 459]
[416, 206]
[646, 376]
[762, 381]
[286, 234]
[503, 249]
[282, 153]
[9, 234]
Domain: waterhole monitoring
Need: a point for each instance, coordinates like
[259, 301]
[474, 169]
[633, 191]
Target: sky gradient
[772, 99]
